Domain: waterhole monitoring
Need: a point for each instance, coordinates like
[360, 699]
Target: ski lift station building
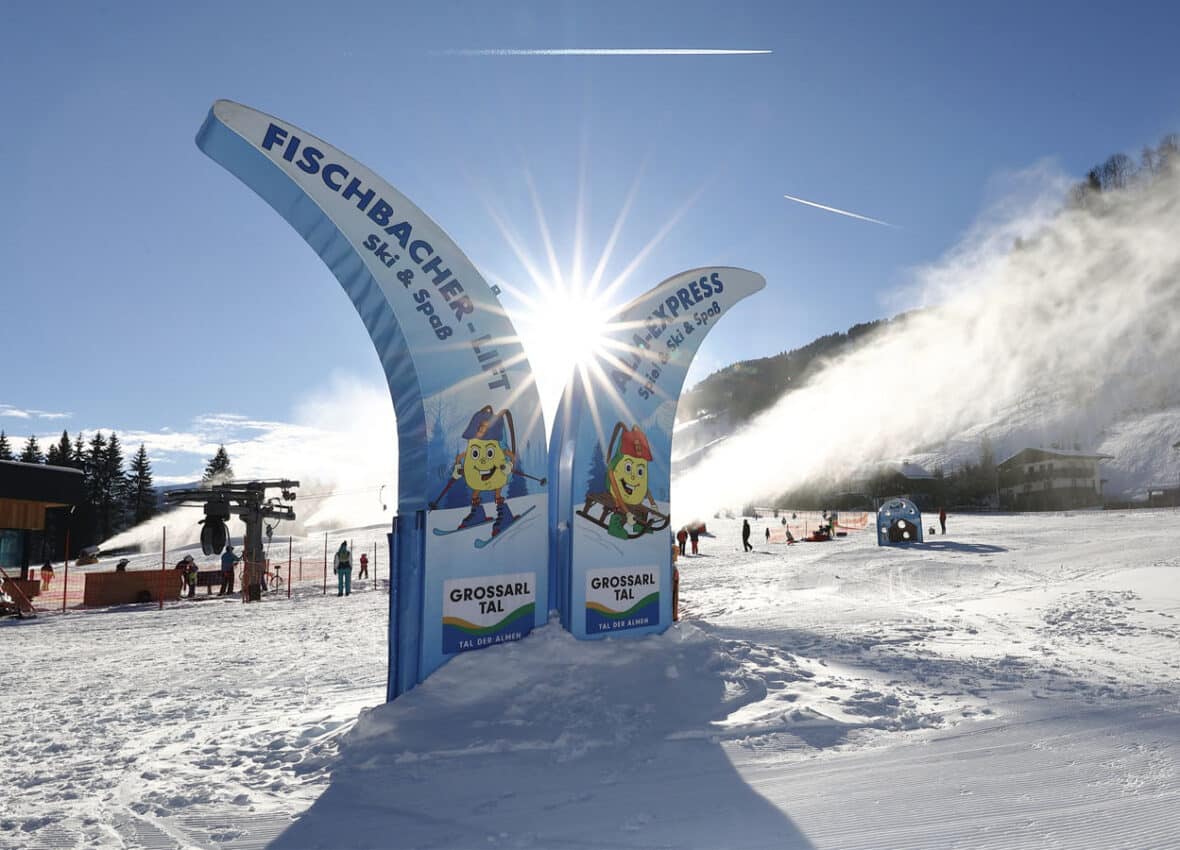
[27, 491]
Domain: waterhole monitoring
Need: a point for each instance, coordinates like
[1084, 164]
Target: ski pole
[541, 481]
[433, 505]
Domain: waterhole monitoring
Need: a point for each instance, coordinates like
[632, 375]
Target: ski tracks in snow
[181, 728]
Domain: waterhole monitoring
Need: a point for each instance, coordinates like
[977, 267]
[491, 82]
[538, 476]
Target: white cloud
[30, 413]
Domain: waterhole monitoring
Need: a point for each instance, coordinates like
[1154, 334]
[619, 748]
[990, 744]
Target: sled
[603, 504]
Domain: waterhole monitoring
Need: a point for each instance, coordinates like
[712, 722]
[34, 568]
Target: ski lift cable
[303, 497]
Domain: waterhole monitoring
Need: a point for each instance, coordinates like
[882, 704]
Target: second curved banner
[610, 456]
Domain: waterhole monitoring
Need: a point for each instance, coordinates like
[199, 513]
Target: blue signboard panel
[611, 456]
[469, 543]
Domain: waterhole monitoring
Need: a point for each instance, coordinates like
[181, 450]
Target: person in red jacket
[942, 519]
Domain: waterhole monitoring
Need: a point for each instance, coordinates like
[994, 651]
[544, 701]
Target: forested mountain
[748, 387]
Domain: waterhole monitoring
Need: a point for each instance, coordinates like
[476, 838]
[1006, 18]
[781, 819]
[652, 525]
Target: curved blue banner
[610, 457]
[469, 541]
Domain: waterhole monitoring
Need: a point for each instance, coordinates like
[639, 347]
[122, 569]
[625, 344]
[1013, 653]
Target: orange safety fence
[803, 523]
[65, 588]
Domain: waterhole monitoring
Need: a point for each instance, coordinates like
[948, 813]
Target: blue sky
[145, 289]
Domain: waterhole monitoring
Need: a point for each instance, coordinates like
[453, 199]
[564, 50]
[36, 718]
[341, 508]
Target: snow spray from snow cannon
[610, 457]
[448, 349]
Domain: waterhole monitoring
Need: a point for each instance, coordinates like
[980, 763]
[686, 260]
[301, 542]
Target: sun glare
[562, 329]
[563, 317]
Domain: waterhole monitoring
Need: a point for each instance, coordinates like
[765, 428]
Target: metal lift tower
[248, 500]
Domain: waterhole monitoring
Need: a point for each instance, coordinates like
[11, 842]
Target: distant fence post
[163, 562]
[65, 587]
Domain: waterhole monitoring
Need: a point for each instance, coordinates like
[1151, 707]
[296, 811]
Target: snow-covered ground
[1013, 684]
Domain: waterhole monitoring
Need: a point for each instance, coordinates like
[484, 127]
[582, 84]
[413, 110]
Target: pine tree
[596, 480]
[218, 469]
[114, 498]
[84, 519]
[32, 452]
[59, 454]
[92, 479]
[5, 448]
[141, 496]
[78, 454]
[64, 448]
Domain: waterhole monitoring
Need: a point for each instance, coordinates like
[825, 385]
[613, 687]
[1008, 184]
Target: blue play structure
[898, 521]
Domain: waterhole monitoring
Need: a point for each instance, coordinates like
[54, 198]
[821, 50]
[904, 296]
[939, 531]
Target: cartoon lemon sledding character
[626, 480]
[486, 466]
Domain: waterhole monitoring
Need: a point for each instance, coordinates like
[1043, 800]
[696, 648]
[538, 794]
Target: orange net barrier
[65, 588]
[803, 523]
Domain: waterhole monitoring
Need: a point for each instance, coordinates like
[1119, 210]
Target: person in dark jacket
[694, 537]
[228, 561]
[942, 519]
[343, 570]
[682, 539]
[746, 535]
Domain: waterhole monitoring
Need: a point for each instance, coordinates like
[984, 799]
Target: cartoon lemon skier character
[486, 465]
[626, 476]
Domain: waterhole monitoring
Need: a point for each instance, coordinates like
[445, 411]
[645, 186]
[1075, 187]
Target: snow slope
[1014, 684]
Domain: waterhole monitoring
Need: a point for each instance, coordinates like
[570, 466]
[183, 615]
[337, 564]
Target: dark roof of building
[37, 482]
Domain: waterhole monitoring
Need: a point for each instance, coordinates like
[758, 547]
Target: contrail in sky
[838, 211]
[602, 51]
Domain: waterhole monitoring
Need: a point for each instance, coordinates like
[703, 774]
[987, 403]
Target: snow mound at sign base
[552, 742]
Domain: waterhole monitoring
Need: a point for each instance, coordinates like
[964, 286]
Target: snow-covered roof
[906, 469]
[1063, 453]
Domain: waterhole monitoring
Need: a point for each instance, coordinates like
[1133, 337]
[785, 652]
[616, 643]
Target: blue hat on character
[486, 424]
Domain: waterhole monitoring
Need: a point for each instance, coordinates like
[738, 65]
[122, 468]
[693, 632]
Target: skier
[228, 561]
[343, 570]
[46, 575]
[694, 535]
[364, 573]
[768, 534]
[486, 466]
[746, 535]
[942, 519]
[682, 539]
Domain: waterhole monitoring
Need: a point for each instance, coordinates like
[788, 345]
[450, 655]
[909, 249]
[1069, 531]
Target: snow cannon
[898, 521]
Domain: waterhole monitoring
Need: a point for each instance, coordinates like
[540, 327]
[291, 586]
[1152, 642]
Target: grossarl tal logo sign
[486, 610]
[622, 598]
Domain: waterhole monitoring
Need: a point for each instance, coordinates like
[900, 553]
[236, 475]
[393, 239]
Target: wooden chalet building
[1050, 480]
